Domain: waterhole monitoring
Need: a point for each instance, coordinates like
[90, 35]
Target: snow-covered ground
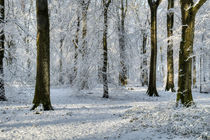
[129, 114]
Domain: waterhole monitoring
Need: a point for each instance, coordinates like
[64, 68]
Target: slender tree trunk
[194, 72]
[170, 62]
[84, 71]
[121, 29]
[2, 38]
[188, 11]
[76, 43]
[61, 62]
[105, 50]
[42, 89]
[152, 90]
[144, 73]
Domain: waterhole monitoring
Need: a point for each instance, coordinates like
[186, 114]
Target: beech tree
[152, 91]
[170, 60]
[42, 88]
[2, 89]
[106, 4]
[189, 10]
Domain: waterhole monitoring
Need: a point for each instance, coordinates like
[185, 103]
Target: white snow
[127, 115]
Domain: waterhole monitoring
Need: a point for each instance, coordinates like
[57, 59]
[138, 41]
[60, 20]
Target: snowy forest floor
[129, 114]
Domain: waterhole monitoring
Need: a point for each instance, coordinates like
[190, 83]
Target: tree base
[45, 107]
[3, 98]
[170, 89]
[189, 104]
[152, 92]
[170, 86]
[105, 96]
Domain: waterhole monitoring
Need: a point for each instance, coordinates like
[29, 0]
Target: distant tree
[106, 4]
[76, 43]
[189, 10]
[2, 38]
[42, 89]
[123, 76]
[170, 60]
[84, 48]
[152, 91]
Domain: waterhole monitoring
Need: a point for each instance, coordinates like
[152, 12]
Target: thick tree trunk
[188, 11]
[170, 62]
[2, 89]
[42, 89]
[185, 56]
[121, 29]
[152, 91]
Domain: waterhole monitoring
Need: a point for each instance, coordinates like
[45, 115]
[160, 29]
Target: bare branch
[198, 5]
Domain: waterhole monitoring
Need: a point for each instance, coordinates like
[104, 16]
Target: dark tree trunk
[170, 62]
[2, 89]
[42, 89]
[188, 10]
[105, 49]
[152, 91]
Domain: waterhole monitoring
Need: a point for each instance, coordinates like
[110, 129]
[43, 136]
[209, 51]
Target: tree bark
[105, 49]
[2, 38]
[188, 10]
[170, 62]
[152, 91]
[42, 88]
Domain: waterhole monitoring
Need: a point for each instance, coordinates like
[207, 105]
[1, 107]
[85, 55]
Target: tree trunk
[194, 72]
[42, 89]
[61, 80]
[152, 91]
[105, 49]
[121, 29]
[2, 89]
[84, 71]
[144, 73]
[188, 10]
[76, 43]
[170, 62]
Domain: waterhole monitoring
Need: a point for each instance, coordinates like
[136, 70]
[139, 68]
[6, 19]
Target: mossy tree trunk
[188, 11]
[106, 4]
[42, 89]
[152, 91]
[2, 38]
[123, 76]
[170, 61]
